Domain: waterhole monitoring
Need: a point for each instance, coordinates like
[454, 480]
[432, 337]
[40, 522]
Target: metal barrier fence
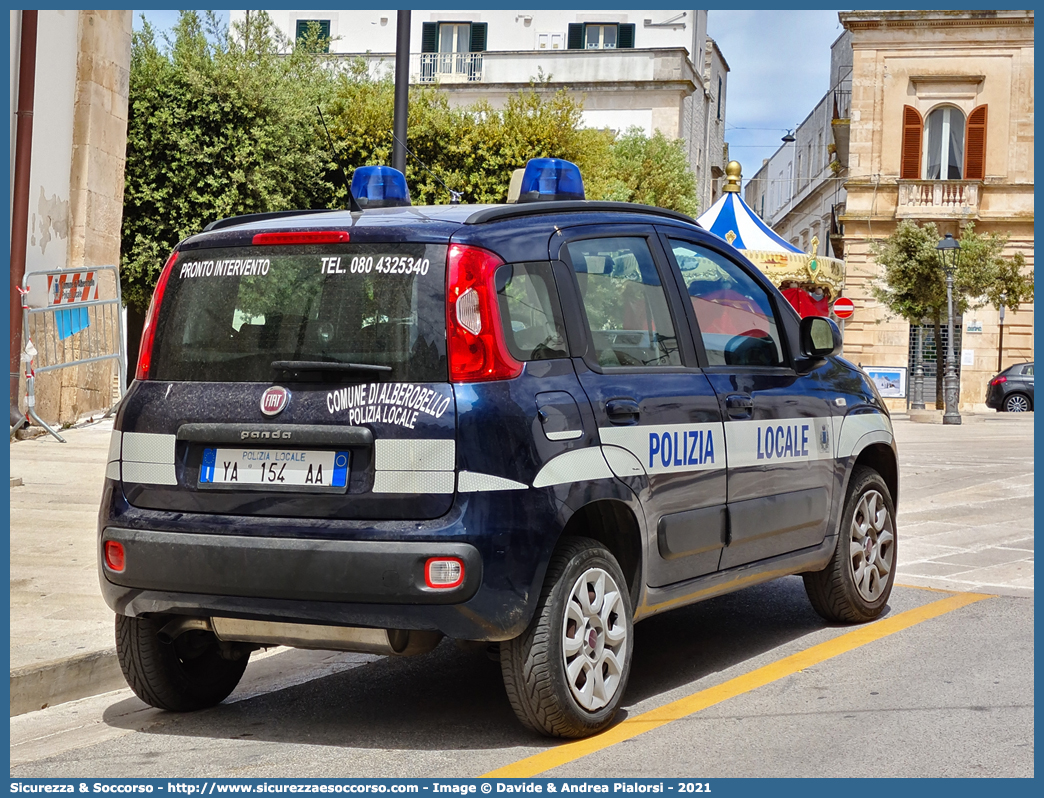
[65, 323]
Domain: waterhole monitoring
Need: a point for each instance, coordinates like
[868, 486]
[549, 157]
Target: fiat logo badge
[274, 400]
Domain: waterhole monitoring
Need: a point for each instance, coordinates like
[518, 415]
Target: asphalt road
[950, 695]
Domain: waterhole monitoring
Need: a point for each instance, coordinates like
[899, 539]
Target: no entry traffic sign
[843, 307]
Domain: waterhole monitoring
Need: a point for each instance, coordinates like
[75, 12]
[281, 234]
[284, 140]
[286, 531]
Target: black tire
[843, 591]
[534, 664]
[1017, 403]
[184, 675]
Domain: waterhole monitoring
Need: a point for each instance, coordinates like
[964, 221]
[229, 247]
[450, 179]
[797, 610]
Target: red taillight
[442, 573]
[998, 380]
[114, 555]
[148, 332]
[477, 350]
[306, 237]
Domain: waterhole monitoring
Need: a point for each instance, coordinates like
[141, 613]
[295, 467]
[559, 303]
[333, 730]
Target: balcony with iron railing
[939, 199]
[635, 68]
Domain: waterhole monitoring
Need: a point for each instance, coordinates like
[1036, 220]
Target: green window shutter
[576, 36]
[478, 36]
[430, 37]
[625, 37]
[324, 30]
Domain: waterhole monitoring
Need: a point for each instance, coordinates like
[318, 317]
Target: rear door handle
[739, 405]
[622, 411]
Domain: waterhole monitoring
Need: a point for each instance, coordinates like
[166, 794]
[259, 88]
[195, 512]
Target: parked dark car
[1012, 389]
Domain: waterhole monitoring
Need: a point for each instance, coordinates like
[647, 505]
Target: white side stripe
[670, 448]
[622, 462]
[148, 447]
[578, 465]
[412, 454]
[149, 473]
[784, 440]
[413, 482]
[856, 426]
[115, 441]
[473, 482]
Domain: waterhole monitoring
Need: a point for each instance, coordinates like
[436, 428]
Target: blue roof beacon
[551, 179]
[528, 425]
[380, 187]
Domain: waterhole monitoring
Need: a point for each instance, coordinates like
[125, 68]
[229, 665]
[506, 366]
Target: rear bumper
[389, 572]
[328, 572]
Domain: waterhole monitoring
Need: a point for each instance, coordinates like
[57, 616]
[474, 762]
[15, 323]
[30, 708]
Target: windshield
[227, 314]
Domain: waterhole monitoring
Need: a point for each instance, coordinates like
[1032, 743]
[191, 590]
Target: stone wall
[93, 212]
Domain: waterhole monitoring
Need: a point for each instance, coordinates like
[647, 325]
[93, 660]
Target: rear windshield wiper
[297, 367]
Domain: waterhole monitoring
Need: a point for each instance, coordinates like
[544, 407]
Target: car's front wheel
[1017, 403]
[857, 581]
[188, 673]
[565, 675]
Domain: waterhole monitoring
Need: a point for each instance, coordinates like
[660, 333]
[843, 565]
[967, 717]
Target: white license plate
[274, 467]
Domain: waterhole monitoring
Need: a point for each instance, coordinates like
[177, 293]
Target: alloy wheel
[873, 545]
[594, 638]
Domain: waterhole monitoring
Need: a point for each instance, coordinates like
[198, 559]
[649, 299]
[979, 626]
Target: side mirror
[820, 337]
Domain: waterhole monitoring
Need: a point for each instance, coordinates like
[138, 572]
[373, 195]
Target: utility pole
[20, 201]
[402, 86]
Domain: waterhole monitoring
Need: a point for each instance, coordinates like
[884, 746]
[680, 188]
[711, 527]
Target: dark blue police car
[531, 424]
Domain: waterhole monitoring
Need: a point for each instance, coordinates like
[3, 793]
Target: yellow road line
[683, 707]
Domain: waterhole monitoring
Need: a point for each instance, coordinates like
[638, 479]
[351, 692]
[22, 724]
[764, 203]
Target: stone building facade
[656, 70]
[77, 173]
[914, 74]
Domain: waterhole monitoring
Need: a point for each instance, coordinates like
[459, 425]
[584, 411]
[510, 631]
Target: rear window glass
[227, 314]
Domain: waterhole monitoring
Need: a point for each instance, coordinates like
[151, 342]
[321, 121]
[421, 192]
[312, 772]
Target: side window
[625, 304]
[1028, 371]
[530, 311]
[734, 313]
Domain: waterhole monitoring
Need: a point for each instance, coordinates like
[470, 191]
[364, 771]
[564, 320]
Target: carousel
[809, 281]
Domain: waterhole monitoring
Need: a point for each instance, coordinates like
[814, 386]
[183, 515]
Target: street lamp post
[949, 251]
[917, 398]
[1000, 343]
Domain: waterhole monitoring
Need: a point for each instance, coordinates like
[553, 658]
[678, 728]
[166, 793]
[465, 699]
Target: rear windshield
[227, 314]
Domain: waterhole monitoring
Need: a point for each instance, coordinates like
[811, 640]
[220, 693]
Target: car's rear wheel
[1017, 403]
[566, 674]
[855, 585]
[188, 673]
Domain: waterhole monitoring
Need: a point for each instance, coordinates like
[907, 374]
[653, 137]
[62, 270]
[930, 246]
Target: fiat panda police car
[531, 425]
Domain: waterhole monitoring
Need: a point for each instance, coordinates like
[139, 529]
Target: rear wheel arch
[613, 524]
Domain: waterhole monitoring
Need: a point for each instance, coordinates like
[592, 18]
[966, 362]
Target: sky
[772, 84]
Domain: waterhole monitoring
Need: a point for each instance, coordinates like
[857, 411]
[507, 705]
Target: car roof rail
[565, 206]
[246, 218]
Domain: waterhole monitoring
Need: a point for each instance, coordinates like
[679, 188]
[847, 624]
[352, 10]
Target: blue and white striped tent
[730, 214]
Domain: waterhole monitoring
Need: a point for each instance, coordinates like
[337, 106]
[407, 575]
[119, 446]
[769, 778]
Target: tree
[913, 284]
[218, 125]
[222, 124]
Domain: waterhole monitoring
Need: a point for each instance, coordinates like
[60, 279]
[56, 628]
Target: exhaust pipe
[176, 628]
[390, 642]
